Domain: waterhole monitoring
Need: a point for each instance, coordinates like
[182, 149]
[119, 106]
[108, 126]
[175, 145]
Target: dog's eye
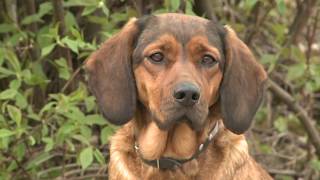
[208, 60]
[156, 57]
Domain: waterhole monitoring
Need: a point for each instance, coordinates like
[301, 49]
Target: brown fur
[132, 89]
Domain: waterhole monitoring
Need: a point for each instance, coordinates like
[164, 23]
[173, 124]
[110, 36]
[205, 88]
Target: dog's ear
[111, 76]
[242, 85]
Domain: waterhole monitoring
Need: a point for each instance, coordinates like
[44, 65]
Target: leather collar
[165, 163]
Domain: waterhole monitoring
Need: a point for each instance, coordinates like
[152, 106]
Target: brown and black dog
[185, 89]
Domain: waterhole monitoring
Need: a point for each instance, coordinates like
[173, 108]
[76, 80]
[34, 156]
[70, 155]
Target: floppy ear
[242, 85]
[111, 76]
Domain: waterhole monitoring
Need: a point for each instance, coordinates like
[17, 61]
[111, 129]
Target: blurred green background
[50, 126]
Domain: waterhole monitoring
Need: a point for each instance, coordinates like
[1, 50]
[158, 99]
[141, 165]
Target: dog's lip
[188, 121]
[184, 118]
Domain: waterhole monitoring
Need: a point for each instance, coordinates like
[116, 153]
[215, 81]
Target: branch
[203, 7]
[31, 9]
[258, 20]
[182, 6]
[58, 13]
[11, 6]
[305, 9]
[307, 122]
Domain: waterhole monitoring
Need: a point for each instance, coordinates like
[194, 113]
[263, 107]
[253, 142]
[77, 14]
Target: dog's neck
[179, 142]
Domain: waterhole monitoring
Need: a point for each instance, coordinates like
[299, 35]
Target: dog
[184, 89]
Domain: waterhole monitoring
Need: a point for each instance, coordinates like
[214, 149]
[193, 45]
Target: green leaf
[90, 103]
[44, 8]
[281, 124]
[175, 4]
[63, 68]
[6, 72]
[80, 3]
[250, 3]
[81, 139]
[20, 151]
[95, 119]
[85, 131]
[13, 60]
[99, 157]
[281, 5]
[31, 140]
[15, 114]
[70, 21]
[31, 19]
[105, 10]
[105, 134]
[47, 50]
[66, 129]
[21, 101]
[296, 71]
[315, 164]
[6, 133]
[8, 94]
[5, 28]
[49, 143]
[39, 159]
[15, 84]
[265, 149]
[75, 114]
[86, 157]
[88, 10]
[72, 44]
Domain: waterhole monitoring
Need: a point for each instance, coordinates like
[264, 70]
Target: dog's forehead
[182, 27]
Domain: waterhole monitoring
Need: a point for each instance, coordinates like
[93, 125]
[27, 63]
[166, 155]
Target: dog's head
[179, 68]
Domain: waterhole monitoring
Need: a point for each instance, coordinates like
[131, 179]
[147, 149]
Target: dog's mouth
[194, 118]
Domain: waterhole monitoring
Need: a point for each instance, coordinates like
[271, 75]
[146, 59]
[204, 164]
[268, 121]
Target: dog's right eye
[156, 57]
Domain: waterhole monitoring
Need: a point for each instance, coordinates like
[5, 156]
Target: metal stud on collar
[214, 132]
[200, 147]
[158, 163]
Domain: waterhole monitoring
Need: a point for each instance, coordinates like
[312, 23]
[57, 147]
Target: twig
[71, 79]
[139, 5]
[311, 35]
[284, 172]
[269, 99]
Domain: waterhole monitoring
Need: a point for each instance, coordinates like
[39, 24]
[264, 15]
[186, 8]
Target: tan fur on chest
[226, 158]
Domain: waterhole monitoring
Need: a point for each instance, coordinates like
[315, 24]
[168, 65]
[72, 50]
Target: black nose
[186, 94]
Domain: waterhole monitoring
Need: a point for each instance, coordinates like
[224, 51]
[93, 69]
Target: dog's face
[178, 67]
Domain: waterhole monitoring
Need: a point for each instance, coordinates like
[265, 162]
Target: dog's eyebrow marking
[164, 43]
[201, 44]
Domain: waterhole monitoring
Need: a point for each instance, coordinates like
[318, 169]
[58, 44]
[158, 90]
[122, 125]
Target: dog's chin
[195, 122]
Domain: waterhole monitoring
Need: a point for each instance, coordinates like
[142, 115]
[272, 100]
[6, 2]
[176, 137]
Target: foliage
[50, 124]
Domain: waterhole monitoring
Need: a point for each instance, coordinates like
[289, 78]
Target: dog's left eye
[156, 57]
[208, 60]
